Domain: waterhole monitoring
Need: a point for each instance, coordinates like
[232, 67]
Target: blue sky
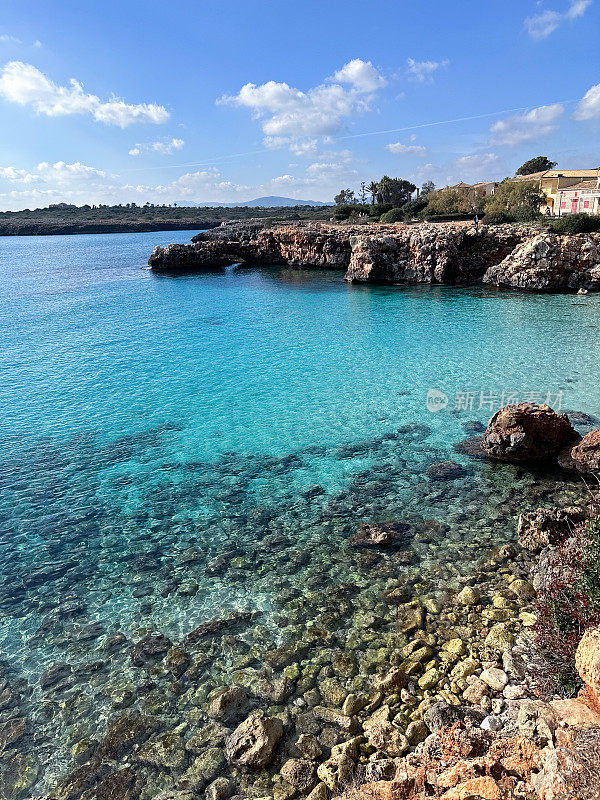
[210, 101]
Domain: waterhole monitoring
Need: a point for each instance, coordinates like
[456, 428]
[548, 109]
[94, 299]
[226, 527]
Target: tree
[345, 197]
[396, 191]
[537, 164]
[428, 186]
[372, 188]
[363, 192]
[510, 194]
[456, 201]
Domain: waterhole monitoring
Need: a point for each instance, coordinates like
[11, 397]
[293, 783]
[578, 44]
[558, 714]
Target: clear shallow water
[151, 425]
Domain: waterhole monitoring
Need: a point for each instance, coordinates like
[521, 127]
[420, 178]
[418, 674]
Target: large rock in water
[527, 433]
[253, 743]
[585, 455]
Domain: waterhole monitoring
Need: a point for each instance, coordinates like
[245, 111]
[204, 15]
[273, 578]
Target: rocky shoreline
[510, 256]
[426, 664]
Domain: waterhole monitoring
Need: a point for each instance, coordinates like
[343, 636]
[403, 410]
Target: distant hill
[260, 202]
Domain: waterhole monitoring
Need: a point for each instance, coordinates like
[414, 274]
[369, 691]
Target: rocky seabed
[371, 637]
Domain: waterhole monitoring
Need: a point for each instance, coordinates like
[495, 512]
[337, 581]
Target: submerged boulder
[527, 433]
[382, 534]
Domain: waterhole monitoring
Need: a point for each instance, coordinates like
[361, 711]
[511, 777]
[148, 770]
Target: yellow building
[559, 186]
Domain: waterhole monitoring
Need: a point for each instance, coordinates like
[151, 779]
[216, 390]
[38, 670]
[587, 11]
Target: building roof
[461, 185]
[559, 173]
[484, 183]
[593, 184]
[534, 176]
[572, 173]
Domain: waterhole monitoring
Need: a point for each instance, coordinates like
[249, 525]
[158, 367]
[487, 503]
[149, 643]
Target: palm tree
[373, 188]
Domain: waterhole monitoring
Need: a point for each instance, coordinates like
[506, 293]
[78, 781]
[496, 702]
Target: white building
[582, 198]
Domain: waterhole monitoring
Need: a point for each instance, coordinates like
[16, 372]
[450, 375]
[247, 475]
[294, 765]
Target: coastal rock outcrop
[527, 433]
[515, 256]
[548, 262]
[585, 455]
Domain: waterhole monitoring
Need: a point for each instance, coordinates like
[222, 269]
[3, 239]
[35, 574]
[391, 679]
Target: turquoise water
[151, 425]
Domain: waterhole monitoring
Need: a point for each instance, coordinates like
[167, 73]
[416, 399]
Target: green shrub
[393, 215]
[498, 218]
[577, 223]
[414, 207]
[377, 209]
[343, 212]
[525, 213]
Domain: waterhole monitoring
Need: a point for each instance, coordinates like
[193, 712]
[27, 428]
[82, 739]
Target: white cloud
[80, 184]
[470, 169]
[6, 38]
[577, 8]
[533, 124]
[422, 71]
[25, 85]
[540, 26]
[398, 148]
[478, 167]
[165, 147]
[589, 106]
[362, 75]
[288, 114]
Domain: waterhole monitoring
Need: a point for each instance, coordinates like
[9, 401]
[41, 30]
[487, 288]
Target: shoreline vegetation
[64, 219]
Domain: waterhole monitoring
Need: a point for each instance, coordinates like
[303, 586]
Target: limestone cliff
[511, 256]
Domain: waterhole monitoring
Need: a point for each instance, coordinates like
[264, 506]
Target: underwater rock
[124, 733]
[445, 470]
[215, 626]
[166, 752]
[19, 772]
[473, 426]
[300, 773]
[11, 732]
[472, 447]
[149, 649]
[527, 433]
[382, 534]
[54, 675]
[228, 703]
[253, 742]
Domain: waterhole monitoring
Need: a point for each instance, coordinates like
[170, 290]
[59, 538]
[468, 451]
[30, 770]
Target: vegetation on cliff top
[65, 218]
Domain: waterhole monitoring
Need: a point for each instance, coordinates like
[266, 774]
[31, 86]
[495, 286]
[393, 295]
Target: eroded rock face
[548, 262]
[587, 661]
[519, 257]
[586, 453]
[527, 433]
[545, 526]
[253, 743]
